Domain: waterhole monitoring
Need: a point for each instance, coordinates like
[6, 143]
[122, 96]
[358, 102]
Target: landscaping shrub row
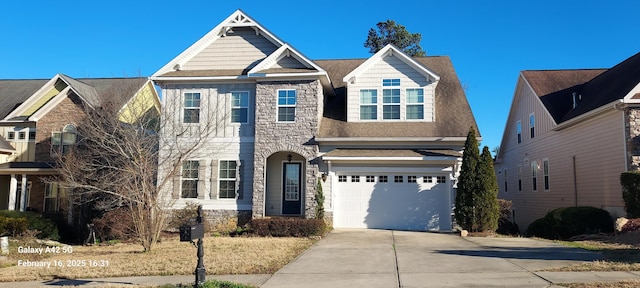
[564, 223]
[16, 223]
[287, 227]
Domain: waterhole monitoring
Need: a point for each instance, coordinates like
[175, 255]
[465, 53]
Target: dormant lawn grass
[222, 255]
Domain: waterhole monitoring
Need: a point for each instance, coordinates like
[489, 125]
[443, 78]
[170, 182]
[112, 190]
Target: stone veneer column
[296, 137]
[632, 135]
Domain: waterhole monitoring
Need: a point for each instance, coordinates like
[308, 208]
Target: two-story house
[39, 120]
[568, 137]
[384, 135]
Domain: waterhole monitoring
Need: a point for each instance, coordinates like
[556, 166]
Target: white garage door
[392, 201]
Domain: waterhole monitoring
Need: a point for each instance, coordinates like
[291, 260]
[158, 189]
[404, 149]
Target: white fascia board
[389, 50]
[377, 159]
[393, 139]
[358, 169]
[284, 50]
[633, 92]
[576, 120]
[214, 35]
[33, 98]
[196, 78]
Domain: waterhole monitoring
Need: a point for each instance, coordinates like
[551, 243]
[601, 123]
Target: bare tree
[116, 159]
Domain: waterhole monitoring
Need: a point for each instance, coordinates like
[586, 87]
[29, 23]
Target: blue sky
[489, 42]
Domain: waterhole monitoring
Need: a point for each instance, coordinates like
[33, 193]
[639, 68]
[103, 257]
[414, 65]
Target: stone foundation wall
[226, 220]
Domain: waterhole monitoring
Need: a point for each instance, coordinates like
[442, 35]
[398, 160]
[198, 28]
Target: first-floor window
[190, 179]
[228, 179]
[534, 175]
[51, 197]
[506, 178]
[545, 173]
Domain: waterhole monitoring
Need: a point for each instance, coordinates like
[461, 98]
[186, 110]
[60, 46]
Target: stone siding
[297, 137]
[632, 135]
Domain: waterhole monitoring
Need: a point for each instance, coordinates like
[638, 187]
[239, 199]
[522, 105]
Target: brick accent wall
[68, 111]
[296, 137]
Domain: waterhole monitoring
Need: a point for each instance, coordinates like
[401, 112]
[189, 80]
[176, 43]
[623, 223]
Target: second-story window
[369, 104]
[532, 125]
[415, 104]
[191, 108]
[287, 100]
[239, 107]
[519, 131]
[391, 99]
[62, 141]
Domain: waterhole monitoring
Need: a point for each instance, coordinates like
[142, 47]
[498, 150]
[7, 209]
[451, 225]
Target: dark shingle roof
[4, 145]
[453, 113]
[15, 92]
[593, 87]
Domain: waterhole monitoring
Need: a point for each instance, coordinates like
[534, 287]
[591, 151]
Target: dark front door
[291, 202]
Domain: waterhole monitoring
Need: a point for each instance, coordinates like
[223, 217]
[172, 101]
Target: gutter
[393, 139]
[239, 77]
[592, 113]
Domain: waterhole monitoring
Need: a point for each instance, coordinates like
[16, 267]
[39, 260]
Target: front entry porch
[285, 176]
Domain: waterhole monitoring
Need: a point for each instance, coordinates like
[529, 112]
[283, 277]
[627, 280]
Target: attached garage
[392, 197]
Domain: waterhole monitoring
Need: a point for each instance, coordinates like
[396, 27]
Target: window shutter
[202, 169]
[214, 179]
[239, 174]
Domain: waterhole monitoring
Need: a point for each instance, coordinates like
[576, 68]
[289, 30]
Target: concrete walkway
[381, 258]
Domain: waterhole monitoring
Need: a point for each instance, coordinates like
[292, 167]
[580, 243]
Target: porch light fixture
[324, 177]
[289, 157]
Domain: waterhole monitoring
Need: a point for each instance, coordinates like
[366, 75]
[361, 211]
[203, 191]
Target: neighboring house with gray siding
[568, 137]
[384, 134]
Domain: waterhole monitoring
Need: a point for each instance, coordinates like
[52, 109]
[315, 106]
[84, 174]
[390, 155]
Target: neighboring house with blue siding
[384, 134]
[568, 137]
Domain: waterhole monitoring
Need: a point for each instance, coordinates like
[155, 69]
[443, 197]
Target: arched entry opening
[285, 184]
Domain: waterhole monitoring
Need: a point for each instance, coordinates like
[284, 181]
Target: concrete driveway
[382, 258]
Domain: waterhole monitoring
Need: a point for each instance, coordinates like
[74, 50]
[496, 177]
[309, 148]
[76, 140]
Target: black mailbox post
[189, 233]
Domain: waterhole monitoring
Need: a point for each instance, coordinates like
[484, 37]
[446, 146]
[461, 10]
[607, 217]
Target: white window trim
[235, 179]
[399, 104]
[182, 178]
[278, 106]
[184, 108]
[377, 104]
[534, 176]
[239, 107]
[532, 126]
[407, 104]
[547, 175]
[16, 134]
[518, 132]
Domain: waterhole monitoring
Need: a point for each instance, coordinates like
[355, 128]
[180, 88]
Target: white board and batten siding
[596, 144]
[238, 50]
[390, 67]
